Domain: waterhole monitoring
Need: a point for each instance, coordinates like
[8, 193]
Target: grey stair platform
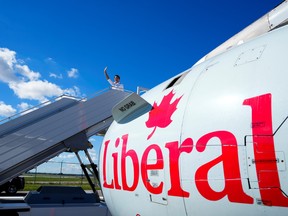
[66, 124]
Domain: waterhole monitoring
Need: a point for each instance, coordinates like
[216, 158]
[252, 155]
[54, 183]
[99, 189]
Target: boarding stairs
[63, 125]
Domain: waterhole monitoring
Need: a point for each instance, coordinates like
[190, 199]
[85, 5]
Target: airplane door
[281, 142]
[215, 167]
[175, 96]
[267, 166]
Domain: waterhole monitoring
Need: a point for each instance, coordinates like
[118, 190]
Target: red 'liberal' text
[261, 112]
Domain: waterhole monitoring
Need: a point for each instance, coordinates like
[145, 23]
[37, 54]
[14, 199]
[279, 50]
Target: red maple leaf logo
[160, 116]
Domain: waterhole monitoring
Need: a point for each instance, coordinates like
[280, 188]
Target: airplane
[211, 140]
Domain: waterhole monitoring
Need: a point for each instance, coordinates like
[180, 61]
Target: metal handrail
[38, 106]
[7, 119]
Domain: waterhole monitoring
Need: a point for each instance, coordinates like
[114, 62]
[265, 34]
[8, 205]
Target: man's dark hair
[117, 76]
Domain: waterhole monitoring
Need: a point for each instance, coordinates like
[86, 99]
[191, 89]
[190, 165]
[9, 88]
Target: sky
[55, 47]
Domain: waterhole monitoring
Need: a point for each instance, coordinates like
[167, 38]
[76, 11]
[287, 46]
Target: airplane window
[177, 80]
[172, 83]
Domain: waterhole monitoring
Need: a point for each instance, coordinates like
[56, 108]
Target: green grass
[34, 187]
[33, 182]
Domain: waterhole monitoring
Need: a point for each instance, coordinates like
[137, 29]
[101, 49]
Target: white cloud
[6, 110]
[26, 72]
[8, 56]
[53, 75]
[67, 155]
[26, 83]
[73, 73]
[50, 60]
[92, 139]
[23, 106]
[71, 168]
[75, 92]
[7, 59]
[93, 154]
[35, 90]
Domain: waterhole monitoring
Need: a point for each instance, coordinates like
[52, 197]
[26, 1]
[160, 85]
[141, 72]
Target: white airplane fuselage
[215, 141]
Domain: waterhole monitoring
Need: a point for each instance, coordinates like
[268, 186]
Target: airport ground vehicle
[13, 185]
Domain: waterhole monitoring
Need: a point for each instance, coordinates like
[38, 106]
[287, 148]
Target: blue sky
[48, 48]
